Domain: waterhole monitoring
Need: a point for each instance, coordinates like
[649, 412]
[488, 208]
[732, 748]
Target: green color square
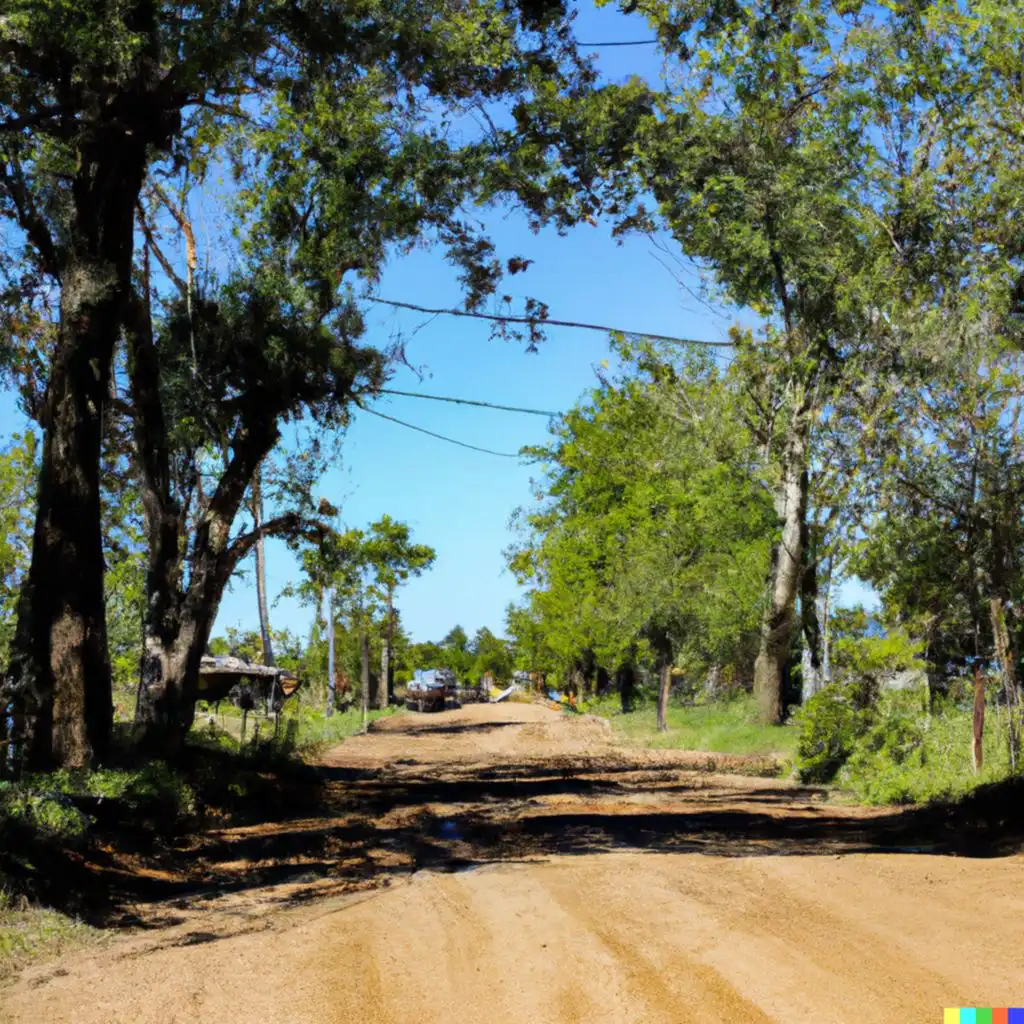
[983, 1016]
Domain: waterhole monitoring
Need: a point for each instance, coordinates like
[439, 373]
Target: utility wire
[536, 321]
[469, 401]
[441, 437]
[628, 42]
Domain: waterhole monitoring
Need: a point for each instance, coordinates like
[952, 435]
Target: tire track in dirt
[619, 887]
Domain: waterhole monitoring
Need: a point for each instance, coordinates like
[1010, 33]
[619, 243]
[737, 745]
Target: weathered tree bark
[1006, 656]
[261, 569]
[664, 687]
[811, 657]
[625, 679]
[331, 693]
[364, 670]
[384, 686]
[59, 680]
[977, 747]
[785, 573]
[179, 618]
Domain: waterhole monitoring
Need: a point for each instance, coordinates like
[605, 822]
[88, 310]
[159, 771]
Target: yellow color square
[951, 1015]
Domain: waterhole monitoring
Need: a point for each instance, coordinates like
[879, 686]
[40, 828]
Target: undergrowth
[894, 749]
[724, 727]
[28, 933]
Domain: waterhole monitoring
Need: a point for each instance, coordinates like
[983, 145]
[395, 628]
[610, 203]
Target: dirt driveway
[507, 864]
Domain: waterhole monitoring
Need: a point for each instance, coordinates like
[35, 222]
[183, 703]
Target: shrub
[909, 756]
[830, 725]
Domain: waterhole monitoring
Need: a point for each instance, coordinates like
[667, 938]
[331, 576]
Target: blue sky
[456, 500]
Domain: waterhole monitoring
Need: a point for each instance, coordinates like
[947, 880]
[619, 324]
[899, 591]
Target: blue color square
[1016, 1015]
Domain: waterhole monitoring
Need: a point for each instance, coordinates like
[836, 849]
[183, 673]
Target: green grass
[933, 762]
[728, 727]
[30, 933]
[303, 729]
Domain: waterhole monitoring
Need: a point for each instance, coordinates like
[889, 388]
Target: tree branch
[31, 221]
[291, 524]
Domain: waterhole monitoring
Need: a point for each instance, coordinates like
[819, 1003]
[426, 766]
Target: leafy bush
[45, 812]
[909, 756]
[830, 725]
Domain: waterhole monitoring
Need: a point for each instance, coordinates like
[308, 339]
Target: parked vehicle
[430, 689]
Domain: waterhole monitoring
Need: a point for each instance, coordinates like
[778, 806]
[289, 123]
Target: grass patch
[30, 933]
[726, 727]
[302, 729]
[914, 759]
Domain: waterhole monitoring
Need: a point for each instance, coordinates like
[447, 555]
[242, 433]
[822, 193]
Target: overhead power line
[627, 42]
[441, 437]
[536, 321]
[470, 401]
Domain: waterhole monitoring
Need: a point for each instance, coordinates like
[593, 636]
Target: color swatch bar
[982, 1015]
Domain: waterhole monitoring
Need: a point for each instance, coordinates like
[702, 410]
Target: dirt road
[506, 864]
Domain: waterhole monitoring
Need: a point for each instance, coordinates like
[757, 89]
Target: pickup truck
[430, 689]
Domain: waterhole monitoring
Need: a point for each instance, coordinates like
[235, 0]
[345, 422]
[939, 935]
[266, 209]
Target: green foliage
[43, 803]
[830, 725]
[858, 653]
[909, 755]
[43, 811]
[653, 533]
[19, 466]
[725, 727]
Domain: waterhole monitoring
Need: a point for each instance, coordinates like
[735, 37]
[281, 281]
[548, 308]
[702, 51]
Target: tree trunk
[664, 686]
[59, 677]
[977, 747]
[364, 670]
[60, 669]
[785, 574]
[1007, 659]
[384, 686]
[179, 624]
[811, 656]
[331, 695]
[626, 680]
[261, 569]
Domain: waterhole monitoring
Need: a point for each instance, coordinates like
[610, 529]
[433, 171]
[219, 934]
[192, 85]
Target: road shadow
[370, 826]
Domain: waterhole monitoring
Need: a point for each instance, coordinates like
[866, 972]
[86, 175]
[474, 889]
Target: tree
[491, 656]
[454, 653]
[754, 151]
[92, 106]
[651, 544]
[394, 559]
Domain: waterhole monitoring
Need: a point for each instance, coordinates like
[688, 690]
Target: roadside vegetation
[843, 177]
[725, 727]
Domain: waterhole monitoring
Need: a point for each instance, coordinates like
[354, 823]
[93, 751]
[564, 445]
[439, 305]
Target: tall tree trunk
[1007, 659]
[811, 656]
[978, 722]
[331, 694]
[625, 678]
[664, 686]
[785, 573]
[261, 569]
[384, 687]
[364, 669]
[59, 668]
